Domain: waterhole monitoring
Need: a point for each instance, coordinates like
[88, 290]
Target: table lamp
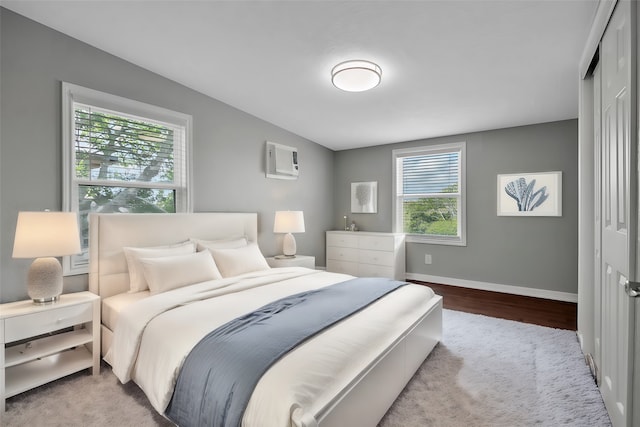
[44, 236]
[288, 222]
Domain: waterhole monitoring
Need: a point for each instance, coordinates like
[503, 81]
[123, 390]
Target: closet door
[597, 216]
[619, 220]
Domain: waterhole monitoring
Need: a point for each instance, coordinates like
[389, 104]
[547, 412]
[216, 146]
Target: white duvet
[153, 337]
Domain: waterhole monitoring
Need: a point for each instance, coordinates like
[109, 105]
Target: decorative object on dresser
[297, 261]
[43, 236]
[289, 222]
[31, 355]
[366, 254]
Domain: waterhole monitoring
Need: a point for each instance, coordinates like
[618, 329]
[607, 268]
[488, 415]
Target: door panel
[618, 215]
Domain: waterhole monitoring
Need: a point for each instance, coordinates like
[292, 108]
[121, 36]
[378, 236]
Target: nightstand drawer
[297, 261]
[33, 324]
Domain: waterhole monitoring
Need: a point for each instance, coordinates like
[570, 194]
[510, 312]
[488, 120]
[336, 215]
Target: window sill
[435, 240]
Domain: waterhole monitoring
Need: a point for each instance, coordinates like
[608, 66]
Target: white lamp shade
[356, 76]
[288, 222]
[46, 234]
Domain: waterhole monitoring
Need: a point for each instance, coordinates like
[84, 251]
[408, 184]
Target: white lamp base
[44, 280]
[289, 245]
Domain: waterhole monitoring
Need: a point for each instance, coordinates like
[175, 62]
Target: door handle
[632, 288]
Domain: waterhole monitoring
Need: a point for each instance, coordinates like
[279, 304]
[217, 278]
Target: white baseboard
[495, 287]
[579, 335]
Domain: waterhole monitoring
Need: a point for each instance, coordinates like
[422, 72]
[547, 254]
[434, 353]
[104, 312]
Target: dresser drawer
[377, 243]
[370, 270]
[342, 254]
[33, 324]
[376, 257]
[342, 267]
[342, 239]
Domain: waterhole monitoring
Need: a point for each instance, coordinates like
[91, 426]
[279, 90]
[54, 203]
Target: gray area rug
[485, 372]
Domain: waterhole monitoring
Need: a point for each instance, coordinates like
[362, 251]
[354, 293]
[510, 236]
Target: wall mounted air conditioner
[281, 161]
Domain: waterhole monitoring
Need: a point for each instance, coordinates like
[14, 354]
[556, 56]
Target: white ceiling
[449, 67]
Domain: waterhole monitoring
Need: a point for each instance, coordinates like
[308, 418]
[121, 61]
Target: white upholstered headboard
[109, 233]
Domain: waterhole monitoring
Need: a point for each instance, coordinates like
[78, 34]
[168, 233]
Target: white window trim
[73, 93]
[462, 218]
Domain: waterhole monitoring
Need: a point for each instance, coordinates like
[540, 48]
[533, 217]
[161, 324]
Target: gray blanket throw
[218, 377]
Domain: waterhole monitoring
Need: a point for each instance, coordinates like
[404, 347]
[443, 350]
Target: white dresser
[366, 254]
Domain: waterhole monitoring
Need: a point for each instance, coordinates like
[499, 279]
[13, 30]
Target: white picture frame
[530, 194]
[364, 197]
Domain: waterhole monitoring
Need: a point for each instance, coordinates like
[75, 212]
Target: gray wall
[533, 252]
[228, 144]
[228, 169]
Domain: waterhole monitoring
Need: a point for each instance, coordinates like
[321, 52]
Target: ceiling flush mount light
[356, 76]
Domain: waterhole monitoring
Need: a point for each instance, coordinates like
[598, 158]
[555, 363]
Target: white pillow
[172, 272]
[137, 282]
[232, 262]
[203, 245]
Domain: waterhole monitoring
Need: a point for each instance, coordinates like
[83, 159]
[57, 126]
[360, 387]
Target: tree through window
[122, 156]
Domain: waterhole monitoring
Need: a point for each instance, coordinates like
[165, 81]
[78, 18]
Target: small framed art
[364, 197]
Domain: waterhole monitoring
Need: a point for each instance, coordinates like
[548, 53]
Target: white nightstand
[297, 261]
[39, 357]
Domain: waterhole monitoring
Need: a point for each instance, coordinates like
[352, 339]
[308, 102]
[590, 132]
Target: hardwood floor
[539, 311]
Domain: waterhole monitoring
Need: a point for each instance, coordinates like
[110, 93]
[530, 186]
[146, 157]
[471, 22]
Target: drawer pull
[27, 346]
[64, 319]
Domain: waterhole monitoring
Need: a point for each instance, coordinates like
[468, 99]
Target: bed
[349, 374]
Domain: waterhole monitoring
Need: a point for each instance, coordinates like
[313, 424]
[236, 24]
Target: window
[429, 194]
[121, 156]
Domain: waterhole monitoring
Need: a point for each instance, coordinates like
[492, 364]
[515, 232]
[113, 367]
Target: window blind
[430, 174]
[116, 147]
